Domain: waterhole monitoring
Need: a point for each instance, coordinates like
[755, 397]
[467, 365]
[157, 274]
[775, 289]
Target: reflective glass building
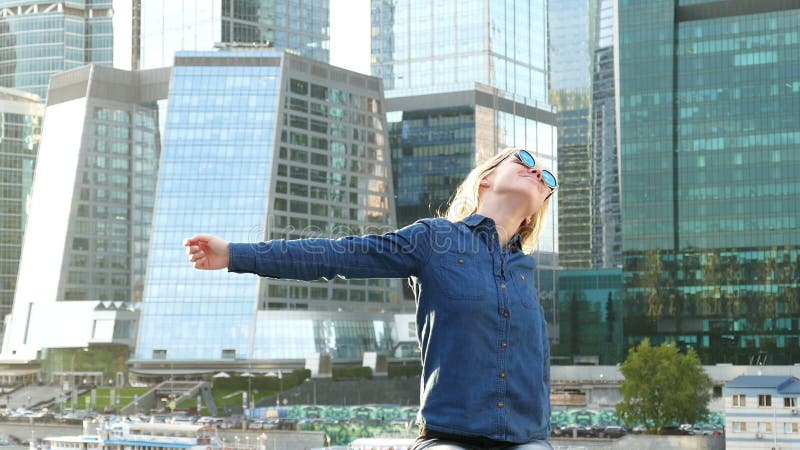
[265, 145]
[709, 128]
[169, 26]
[38, 39]
[424, 47]
[20, 130]
[582, 90]
[606, 216]
[571, 34]
[590, 308]
[91, 205]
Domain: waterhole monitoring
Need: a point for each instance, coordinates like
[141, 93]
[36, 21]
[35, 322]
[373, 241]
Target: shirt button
[503, 286]
[506, 314]
[504, 344]
[500, 404]
[502, 374]
[461, 260]
[522, 277]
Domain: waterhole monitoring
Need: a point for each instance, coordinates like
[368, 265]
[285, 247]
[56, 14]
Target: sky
[350, 34]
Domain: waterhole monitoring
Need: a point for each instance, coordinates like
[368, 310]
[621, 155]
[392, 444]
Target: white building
[762, 412]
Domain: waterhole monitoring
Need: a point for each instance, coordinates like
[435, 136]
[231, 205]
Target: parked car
[615, 431]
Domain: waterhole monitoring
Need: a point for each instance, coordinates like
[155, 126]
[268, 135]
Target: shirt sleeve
[399, 254]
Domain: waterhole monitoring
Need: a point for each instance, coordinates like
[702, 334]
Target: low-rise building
[762, 412]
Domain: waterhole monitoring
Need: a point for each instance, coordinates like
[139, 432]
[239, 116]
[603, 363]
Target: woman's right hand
[207, 252]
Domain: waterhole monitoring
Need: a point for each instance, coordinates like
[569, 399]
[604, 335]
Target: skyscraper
[21, 114]
[266, 145]
[571, 40]
[709, 106]
[38, 39]
[423, 47]
[167, 27]
[88, 230]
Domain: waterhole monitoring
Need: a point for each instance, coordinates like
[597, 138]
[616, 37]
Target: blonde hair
[465, 200]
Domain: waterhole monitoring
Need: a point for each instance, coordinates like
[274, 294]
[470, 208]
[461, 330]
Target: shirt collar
[476, 220]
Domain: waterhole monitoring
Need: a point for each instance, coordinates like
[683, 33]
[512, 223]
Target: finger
[198, 238]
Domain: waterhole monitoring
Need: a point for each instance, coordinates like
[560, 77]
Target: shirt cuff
[241, 258]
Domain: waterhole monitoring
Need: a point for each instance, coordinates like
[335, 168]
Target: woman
[485, 351]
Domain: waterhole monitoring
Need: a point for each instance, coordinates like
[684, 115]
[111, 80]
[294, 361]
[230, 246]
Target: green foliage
[662, 387]
[405, 370]
[349, 373]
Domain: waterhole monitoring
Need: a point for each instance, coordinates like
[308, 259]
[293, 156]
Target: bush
[350, 373]
[405, 370]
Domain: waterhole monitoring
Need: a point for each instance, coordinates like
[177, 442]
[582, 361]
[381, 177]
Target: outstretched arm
[393, 255]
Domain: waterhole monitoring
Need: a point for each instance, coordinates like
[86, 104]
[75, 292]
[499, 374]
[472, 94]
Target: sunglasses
[527, 160]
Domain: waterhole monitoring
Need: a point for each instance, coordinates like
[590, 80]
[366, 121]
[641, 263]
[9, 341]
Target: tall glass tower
[571, 38]
[423, 47]
[20, 130]
[709, 129]
[38, 39]
[167, 27]
[266, 145]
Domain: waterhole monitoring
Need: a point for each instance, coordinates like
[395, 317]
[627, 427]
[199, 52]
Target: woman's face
[516, 182]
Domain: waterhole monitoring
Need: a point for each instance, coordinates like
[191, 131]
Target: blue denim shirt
[485, 349]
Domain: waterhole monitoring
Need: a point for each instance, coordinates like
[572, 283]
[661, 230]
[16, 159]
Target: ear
[485, 182]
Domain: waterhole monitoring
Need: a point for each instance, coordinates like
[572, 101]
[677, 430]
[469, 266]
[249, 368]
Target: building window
[739, 400]
[159, 354]
[764, 400]
[739, 427]
[789, 402]
[790, 427]
[764, 427]
[228, 353]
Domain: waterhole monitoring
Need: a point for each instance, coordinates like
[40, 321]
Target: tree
[663, 386]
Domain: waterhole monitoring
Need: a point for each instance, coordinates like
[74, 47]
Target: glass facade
[709, 134]
[420, 140]
[307, 143]
[424, 47]
[39, 39]
[299, 25]
[590, 304]
[582, 90]
[20, 130]
[605, 214]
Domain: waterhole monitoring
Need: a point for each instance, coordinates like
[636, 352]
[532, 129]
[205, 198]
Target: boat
[138, 436]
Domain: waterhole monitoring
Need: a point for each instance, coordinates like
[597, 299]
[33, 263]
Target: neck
[507, 219]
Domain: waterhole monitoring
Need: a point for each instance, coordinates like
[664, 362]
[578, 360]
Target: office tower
[605, 213]
[709, 106]
[571, 27]
[38, 39]
[167, 27]
[582, 90]
[20, 130]
[91, 205]
[422, 47]
[266, 145]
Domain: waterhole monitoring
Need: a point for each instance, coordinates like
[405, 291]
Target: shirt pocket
[463, 277]
[525, 289]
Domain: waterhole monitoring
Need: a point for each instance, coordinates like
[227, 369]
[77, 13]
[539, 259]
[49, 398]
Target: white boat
[138, 436]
